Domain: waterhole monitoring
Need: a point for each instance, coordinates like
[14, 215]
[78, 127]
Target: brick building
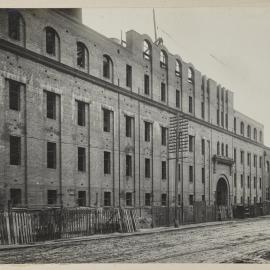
[84, 121]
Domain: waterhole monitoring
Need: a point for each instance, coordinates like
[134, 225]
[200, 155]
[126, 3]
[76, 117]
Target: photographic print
[134, 134]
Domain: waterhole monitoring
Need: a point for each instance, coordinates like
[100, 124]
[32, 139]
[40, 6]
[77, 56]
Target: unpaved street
[243, 241]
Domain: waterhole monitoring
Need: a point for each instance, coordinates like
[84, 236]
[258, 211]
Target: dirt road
[243, 241]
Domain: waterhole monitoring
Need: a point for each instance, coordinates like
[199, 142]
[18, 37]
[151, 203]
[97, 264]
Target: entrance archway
[222, 192]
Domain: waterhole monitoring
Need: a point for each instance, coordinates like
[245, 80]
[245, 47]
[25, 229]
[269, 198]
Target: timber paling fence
[24, 226]
[198, 213]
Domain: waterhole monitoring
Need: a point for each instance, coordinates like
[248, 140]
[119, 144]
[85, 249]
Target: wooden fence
[25, 226]
[197, 213]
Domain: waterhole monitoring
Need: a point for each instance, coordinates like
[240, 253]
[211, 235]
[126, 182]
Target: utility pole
[176, 224]
[155, 28]
[178, 142]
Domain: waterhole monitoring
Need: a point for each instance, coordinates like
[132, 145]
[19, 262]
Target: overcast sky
[229, 45]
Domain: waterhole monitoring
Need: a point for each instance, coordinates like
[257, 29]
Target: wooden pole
[176, 223]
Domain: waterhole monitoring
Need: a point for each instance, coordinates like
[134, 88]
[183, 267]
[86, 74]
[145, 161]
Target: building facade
[84, 120]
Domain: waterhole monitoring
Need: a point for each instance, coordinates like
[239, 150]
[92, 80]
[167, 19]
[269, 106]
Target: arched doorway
[222, 192]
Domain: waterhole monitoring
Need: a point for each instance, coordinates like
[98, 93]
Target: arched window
[255, 134]
[82, 55]
[163, 59]
[146, 50]
[242, 128]
[227, 150]
[261, 136]
[218, 149]
[107, 67]
[248, 131]
[177, 68]
[190, 75]
[16, 25]
[52, 42]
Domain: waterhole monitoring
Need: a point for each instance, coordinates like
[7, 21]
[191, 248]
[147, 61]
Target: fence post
[6, 215]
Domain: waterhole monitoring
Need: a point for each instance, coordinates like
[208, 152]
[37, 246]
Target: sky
[230, 45]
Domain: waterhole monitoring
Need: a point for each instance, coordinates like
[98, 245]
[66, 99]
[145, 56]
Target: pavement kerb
[121, 235]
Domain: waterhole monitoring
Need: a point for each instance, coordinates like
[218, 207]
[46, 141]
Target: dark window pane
[190, 173]
[147, 128]
[51, 155]
[128, 126]
[81, 159]
[107, 162]
[191, 199]
[81, 113]
[177, 99]
[15, 196]
[50, 41]
[190, 143]
[106, 120]
[128, 165]
[203, 147]
[14, 95]
[163, 136]
[164, 170]
[146, 84]
[203, 175]
[128, 199]
[107, 198]
[128, 76]
[82, 198]
[51, 105]
[163, 92]
[190, 105]
[147, 168]
[14, 24]
[15, 150]
[52, 196]
[81, 55]
[147, 199]
[106, 67]
[163, 199]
